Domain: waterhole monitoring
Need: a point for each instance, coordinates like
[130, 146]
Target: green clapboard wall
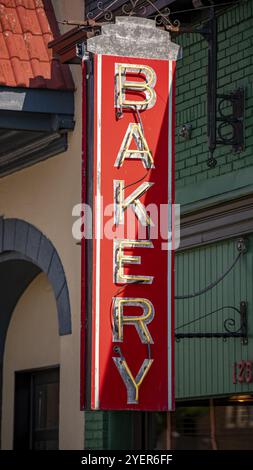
[204, 367]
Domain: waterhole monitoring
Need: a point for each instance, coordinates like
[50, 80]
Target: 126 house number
[243, 372]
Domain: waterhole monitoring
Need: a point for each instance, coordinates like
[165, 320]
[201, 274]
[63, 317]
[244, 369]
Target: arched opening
[34, 314]
[31, 363]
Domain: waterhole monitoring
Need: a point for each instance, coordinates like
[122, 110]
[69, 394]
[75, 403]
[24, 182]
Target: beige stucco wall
[44, 196]
[32, 342]
[68, 10]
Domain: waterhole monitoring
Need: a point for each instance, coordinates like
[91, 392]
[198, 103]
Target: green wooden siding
[203, 366]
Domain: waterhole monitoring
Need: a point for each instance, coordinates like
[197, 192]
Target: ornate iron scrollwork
[134, 7]
[144, 8]
[102, 11]
[229, 325]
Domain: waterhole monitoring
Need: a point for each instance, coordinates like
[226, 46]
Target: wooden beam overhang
[65, 48]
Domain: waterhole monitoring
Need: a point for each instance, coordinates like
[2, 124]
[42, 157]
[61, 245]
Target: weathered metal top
[134, 37]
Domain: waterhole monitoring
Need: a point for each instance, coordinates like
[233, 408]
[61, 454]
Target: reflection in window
[222, 426]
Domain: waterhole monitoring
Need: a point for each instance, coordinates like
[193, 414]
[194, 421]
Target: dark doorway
[36, 420]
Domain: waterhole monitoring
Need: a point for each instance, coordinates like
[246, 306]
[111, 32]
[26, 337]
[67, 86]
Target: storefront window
[218, 425]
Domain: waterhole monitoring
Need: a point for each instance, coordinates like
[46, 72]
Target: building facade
[40, 261]
[40, 278]
[213, 384]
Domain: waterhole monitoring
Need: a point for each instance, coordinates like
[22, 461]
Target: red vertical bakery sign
[132, 353]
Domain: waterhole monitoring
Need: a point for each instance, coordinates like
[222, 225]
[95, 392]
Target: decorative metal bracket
[228, 325]
[218, 119]
[223, 127]
[142, 8]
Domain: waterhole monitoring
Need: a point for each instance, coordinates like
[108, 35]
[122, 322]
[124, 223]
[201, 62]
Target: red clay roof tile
[8, 3]
[9, 20]
[29, 20]
[26, 28]
[43, 21]
[3, 49]
[36, 47]
[16, 46]
[7, 73]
